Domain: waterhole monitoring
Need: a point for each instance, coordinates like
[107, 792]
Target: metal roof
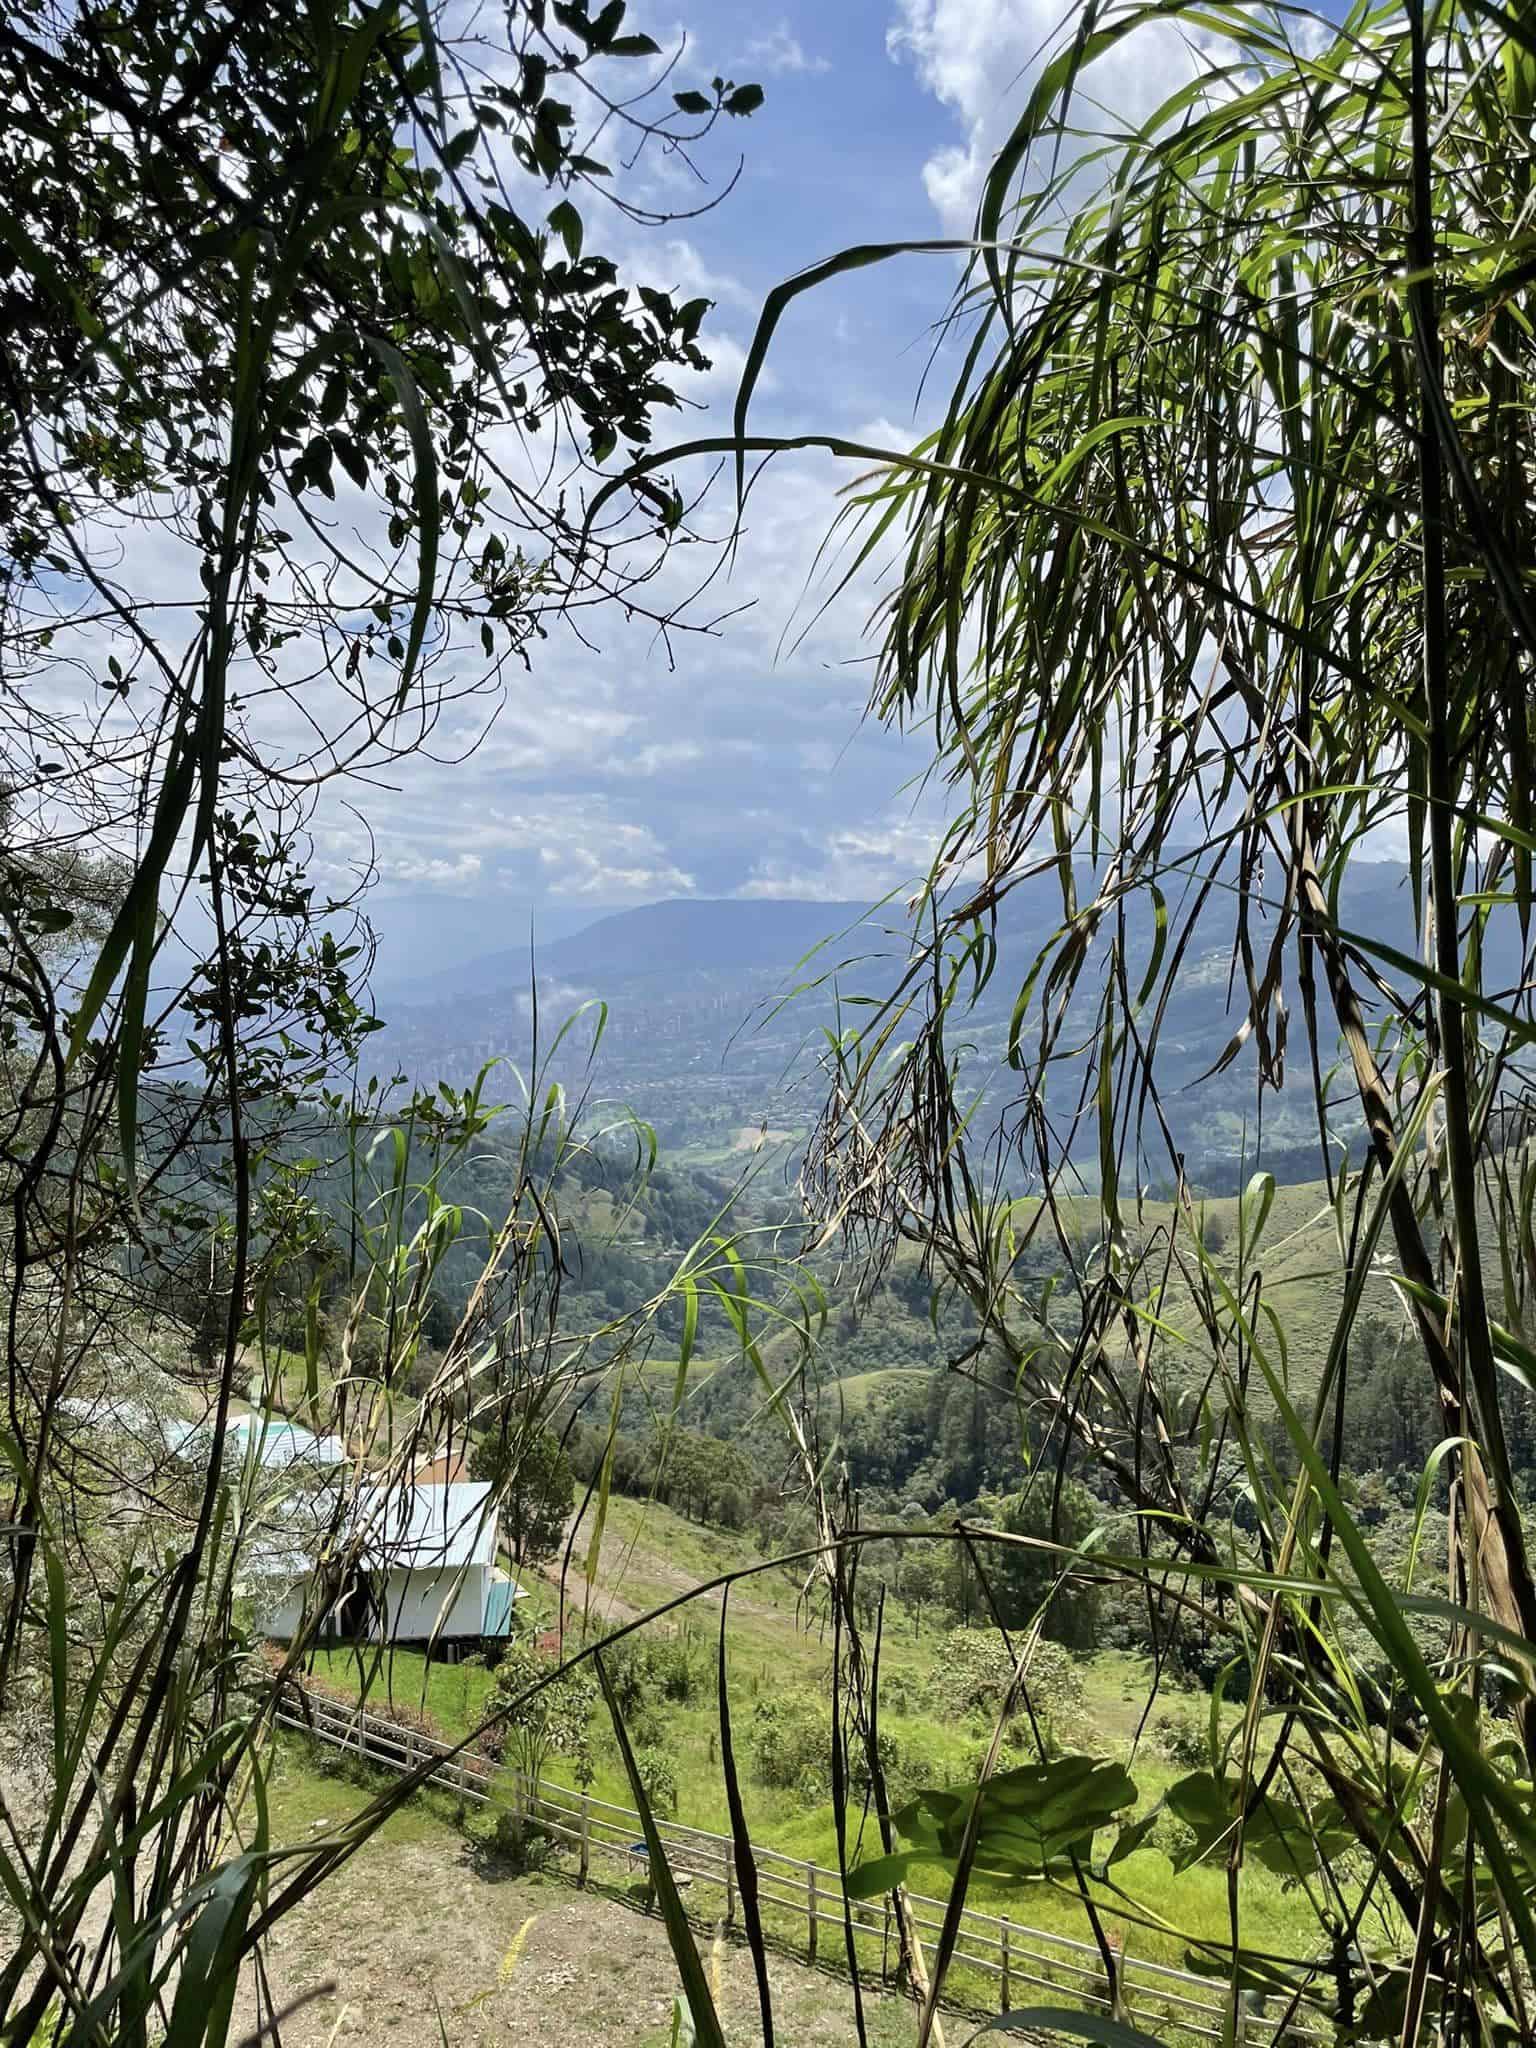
[281, 1442]
[427, 1527]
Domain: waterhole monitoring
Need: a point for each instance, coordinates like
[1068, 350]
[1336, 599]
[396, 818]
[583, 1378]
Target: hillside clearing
[777, 1649]
[422, 1930]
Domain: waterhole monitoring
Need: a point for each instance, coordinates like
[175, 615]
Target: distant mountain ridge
[696, 1040]
[695, 934]
[684, 936]
[666, 941]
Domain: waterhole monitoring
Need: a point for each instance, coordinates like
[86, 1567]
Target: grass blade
[741, 1846]
[701, 2004]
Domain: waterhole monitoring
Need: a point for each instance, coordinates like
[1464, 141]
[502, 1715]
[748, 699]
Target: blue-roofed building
[271, 1441]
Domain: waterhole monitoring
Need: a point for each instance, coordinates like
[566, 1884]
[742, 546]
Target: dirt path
[414, 1927]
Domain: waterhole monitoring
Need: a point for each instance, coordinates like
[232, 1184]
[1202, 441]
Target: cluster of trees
[931, 1439]
[705, 1478]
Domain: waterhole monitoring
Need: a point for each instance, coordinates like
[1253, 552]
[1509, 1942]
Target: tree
[1025, 1582]
[538, 1710]
[974, 1672]
[535, 1489]
[921, 1579]
[284, 292]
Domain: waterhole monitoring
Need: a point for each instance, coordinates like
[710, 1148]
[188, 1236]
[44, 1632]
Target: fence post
[586, 1835]
[1007, 1986]
[810, 1908]
[885, 1944]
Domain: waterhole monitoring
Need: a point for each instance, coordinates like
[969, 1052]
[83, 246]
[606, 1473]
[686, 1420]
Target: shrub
[676, 1667]
[1179, 1735]
[551, 1721]
[517, 1842]
[645, 1728]
[789, 1740]
[975, 1670]
[625, 1664]
[900, 1693]
[658, 1778]
[789, 1747]
[906, 1770]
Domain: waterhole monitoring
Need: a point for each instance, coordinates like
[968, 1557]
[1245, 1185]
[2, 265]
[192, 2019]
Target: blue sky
[614, 775]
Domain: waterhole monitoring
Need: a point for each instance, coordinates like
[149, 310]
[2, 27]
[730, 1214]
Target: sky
[740, 763]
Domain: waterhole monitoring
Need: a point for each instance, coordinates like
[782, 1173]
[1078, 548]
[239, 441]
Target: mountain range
[699, 1041]
[677, 939]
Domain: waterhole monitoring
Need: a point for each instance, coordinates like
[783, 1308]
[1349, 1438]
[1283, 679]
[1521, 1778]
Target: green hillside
[780, 1662]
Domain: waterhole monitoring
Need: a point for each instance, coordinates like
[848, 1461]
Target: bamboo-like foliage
[1215, 576]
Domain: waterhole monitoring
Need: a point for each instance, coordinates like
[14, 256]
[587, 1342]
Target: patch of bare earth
[413, 1929]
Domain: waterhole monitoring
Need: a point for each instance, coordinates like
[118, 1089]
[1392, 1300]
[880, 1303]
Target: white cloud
[780, 52]
[858, 864]
[980, 58]
[581, 850]
[423, 872]
[674, 265]
[727, 359]
[580, 871]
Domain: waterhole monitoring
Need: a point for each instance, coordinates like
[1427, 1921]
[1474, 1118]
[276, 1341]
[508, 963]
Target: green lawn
[860, 1388]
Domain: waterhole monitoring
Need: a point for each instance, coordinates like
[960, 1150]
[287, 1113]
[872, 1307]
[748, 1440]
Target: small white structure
[271, 1441]
[278, 1443]
[426, 1570]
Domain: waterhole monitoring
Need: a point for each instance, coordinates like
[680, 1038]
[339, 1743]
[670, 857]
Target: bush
[789, 1747]
[1179, 1736]
[672, 1666]
[517, 1843]
[973, 1671]
[645, 1728]
[537, 1725]
[658, 1778]
[676, 1668]
[732, 1507]
[789, 1742]
[905, 1770]
[900, 1693]
[973, 1675]
[625, 1665]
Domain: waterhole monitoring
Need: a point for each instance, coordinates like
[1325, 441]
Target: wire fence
[1003, 1959]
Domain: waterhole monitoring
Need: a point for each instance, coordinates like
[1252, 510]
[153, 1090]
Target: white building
[270, 1441]
[426, 1571]
[278, 1443]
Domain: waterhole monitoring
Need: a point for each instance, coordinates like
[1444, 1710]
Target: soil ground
[423, 1938]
